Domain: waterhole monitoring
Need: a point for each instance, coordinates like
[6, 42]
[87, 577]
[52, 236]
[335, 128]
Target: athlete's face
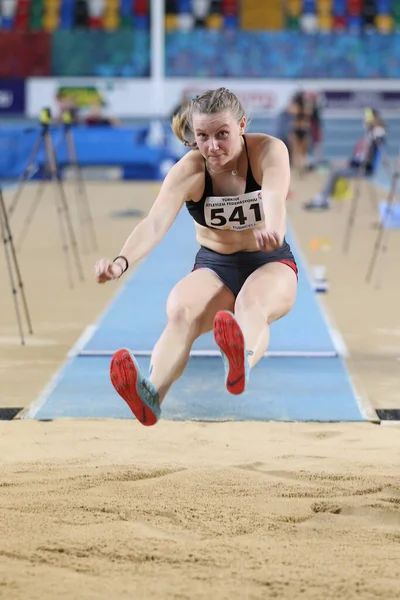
[218, 136]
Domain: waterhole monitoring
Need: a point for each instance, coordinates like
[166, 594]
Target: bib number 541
[237, 216]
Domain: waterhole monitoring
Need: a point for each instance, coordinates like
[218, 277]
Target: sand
[189, 510]
[109, 509]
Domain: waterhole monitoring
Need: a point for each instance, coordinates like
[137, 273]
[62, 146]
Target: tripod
[381, 241]
[353, 209]
[67, 233]
[84, 212]
[13, 269]
[361, 176]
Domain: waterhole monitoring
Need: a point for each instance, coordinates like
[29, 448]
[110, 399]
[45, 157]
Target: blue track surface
[130, 322]
[288, 388]
[281, 389]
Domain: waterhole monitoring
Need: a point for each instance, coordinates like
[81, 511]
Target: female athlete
[244, 277]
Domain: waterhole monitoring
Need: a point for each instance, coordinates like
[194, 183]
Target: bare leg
[191, 307]
[268, 294]
[294, 146]
[299, 148]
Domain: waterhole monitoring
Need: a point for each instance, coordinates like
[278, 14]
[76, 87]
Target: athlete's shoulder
[261, 145]
[252, 138]
[262, 140]
[187, 175]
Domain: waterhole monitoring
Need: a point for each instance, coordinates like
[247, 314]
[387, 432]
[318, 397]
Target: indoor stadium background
[289, 490]
[139, 59]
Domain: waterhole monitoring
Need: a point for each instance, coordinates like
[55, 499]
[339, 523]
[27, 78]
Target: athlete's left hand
[267, 240]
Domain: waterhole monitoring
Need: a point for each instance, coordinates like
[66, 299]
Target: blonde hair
[207, 103]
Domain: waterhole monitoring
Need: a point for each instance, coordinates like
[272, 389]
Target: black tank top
[229, 212]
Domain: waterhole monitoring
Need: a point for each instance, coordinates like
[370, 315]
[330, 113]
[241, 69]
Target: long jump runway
[302, 377]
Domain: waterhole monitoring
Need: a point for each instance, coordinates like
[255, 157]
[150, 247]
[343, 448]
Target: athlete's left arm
[275, 169]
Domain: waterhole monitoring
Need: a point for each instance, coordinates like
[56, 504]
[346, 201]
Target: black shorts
[234, 269]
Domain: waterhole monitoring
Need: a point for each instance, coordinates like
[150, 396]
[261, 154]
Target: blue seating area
[183, 15]
[101, 54]
[231, 53]
[205, 38]
[309, 16]
[53, 15]
[239, 54]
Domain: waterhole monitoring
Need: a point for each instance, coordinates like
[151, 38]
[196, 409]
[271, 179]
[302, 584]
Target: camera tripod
[382, 237]
[51, 171]
[83, 206]
[17, 286]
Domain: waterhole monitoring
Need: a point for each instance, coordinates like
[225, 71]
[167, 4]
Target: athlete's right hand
[105, 270]
[267, 240]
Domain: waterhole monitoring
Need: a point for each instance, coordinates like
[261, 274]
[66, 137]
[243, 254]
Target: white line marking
[213, 353]
[81, 342]
[31, 411]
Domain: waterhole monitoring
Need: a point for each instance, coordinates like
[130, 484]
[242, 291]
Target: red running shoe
[138, 392]
[229, 338]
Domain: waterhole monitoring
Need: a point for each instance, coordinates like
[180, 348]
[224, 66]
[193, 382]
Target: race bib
[234, 213]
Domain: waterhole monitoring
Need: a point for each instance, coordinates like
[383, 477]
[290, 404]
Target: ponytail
[180, 127]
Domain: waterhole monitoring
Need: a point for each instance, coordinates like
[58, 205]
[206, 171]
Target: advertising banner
[361, 99]
[122, 98]
[142, 98]
[145, 98]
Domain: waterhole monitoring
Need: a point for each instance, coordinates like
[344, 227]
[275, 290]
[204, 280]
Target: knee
[182, 316]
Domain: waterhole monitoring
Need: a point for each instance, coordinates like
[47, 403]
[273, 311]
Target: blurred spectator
[362, 162]
[315, 149]
[300, 134]
[282, 128]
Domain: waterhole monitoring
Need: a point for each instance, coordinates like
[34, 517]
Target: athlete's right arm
[178, 186]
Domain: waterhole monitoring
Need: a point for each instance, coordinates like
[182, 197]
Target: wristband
[126, 263]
